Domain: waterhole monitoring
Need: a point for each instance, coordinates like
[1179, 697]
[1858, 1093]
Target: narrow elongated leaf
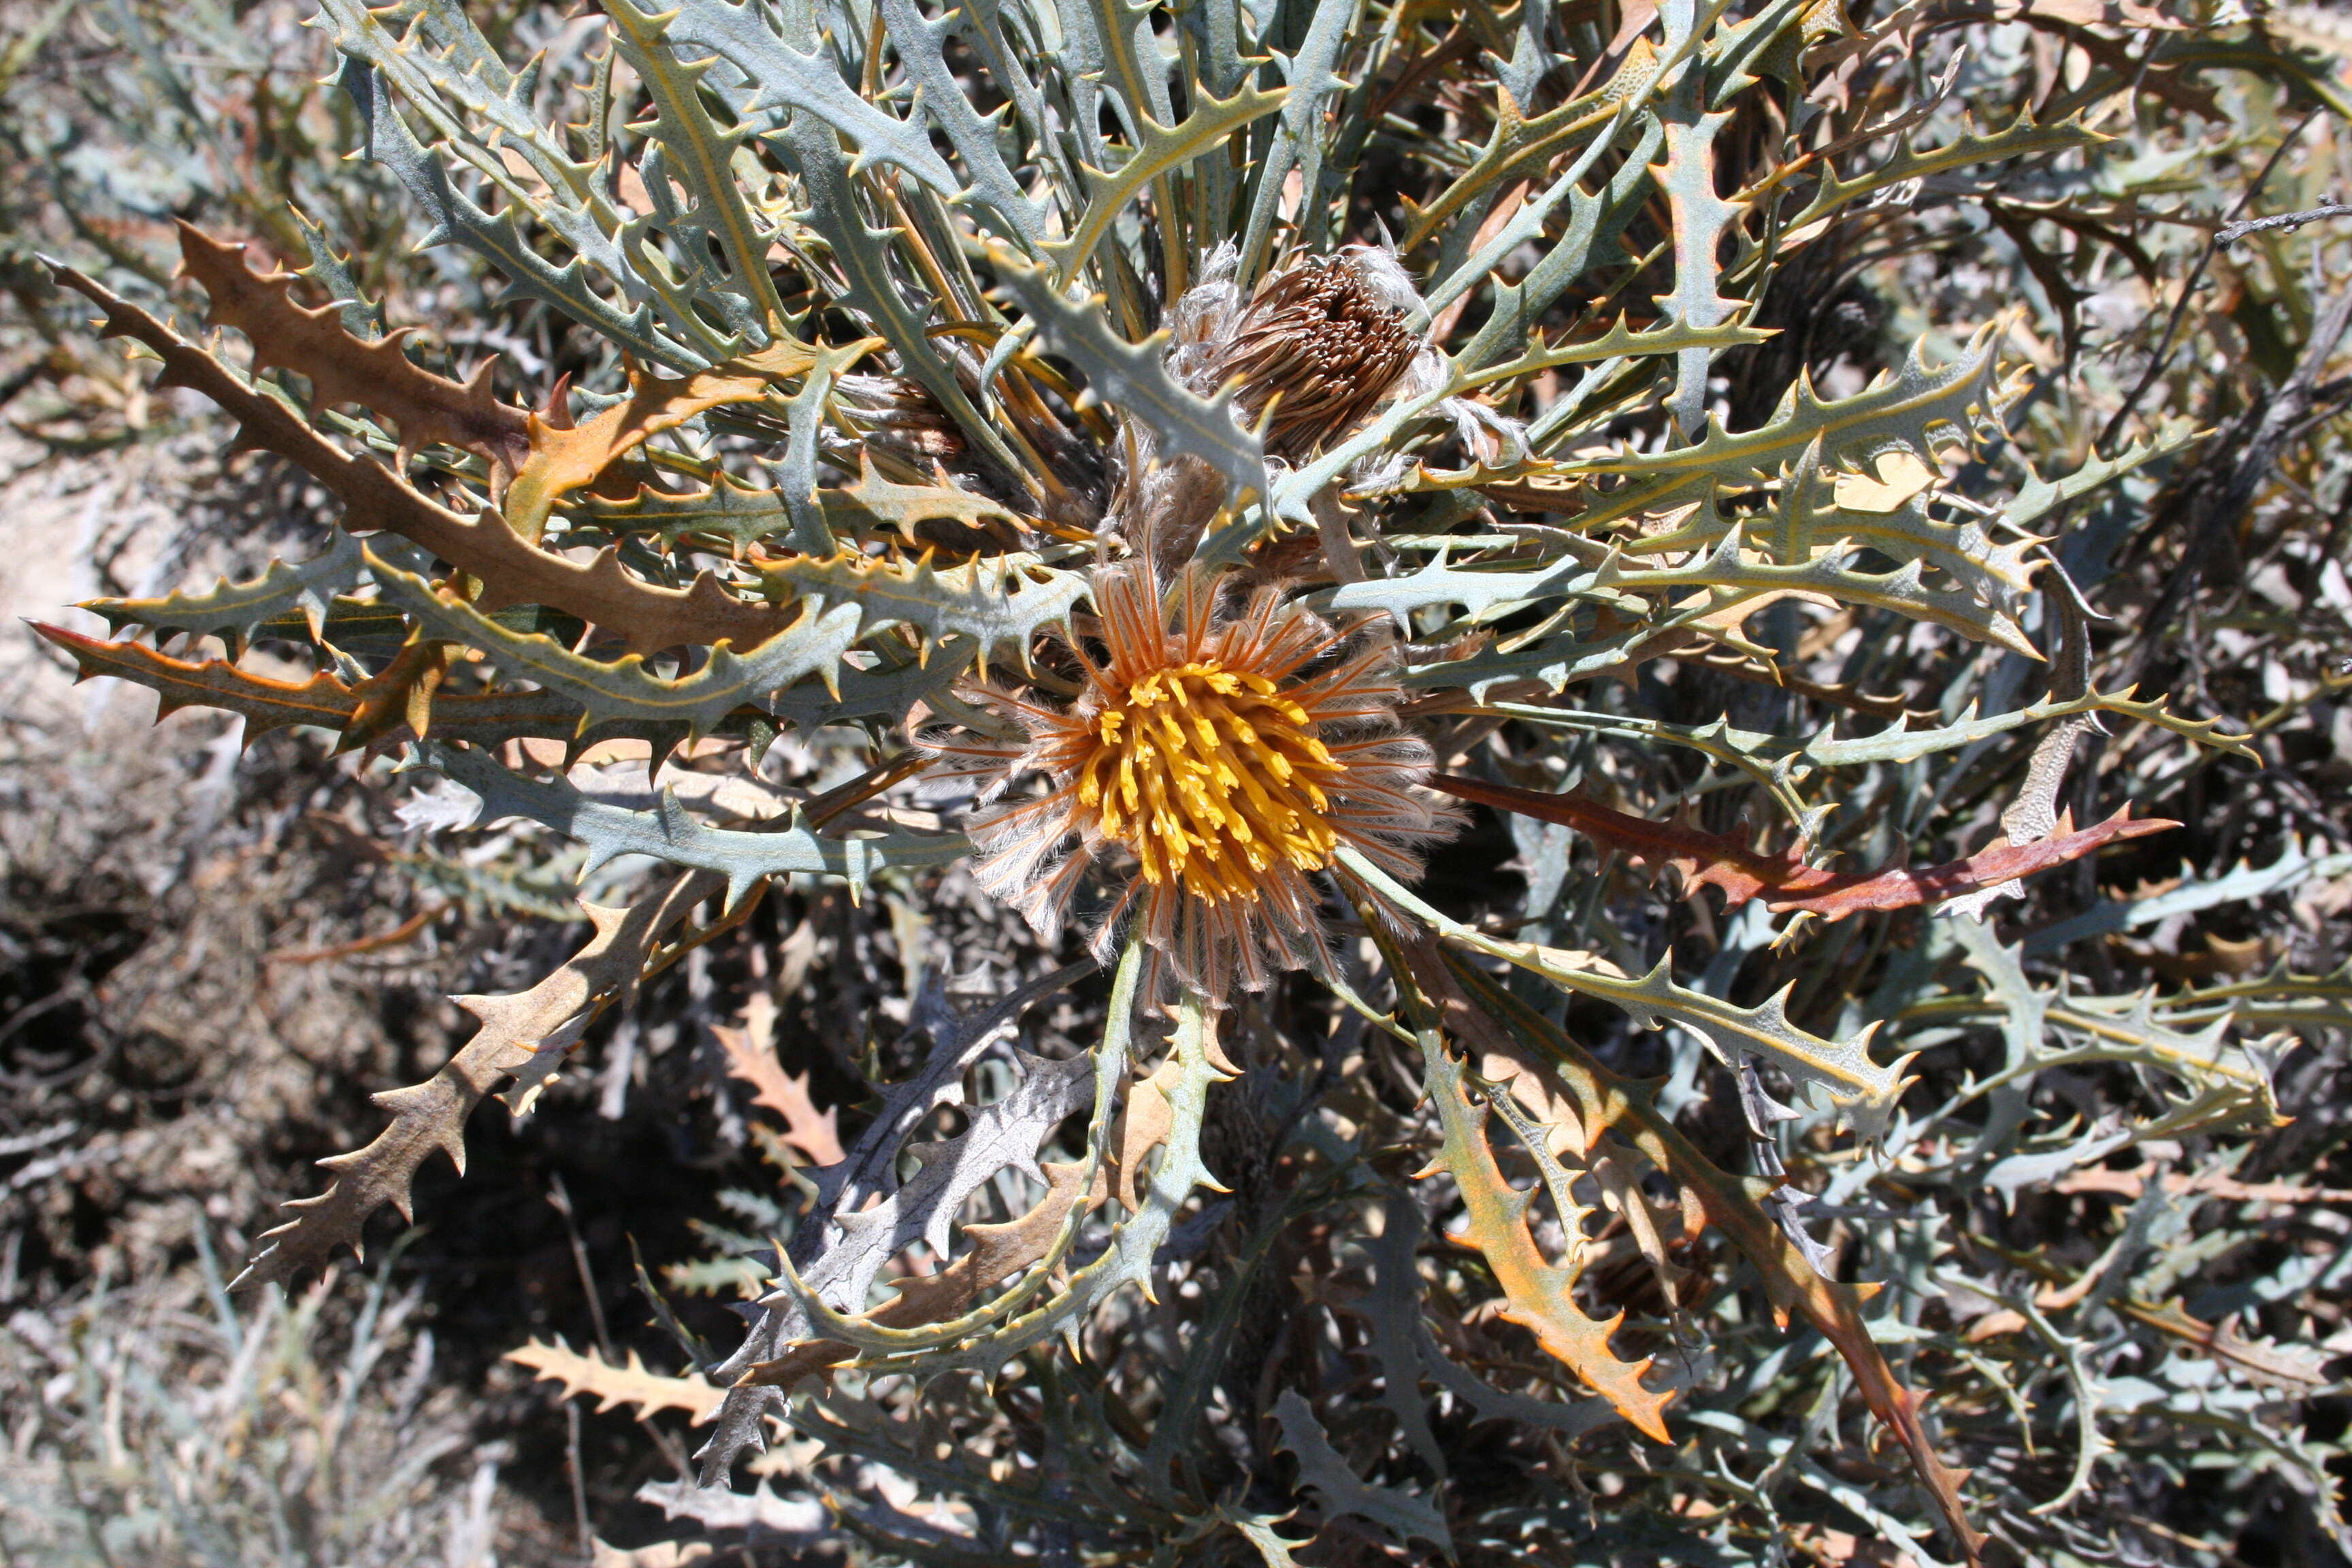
[1731, 1206]
[432, 1115]
[304, 588]
[615, 1386]
[1132, 376]
[376, 499]
[1700, 217]
[1542, 1294]
[263, 703]
[1405, 1518]
[1785, 881]
[376, 375]
[775, 77]
[742, 860]
[1160, 149]
[1864, 1093]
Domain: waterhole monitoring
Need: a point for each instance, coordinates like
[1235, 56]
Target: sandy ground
[60, 515]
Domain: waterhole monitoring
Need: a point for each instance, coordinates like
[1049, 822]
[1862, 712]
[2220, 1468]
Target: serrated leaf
[1606, 1100]
[687, 344]
[1596, 222]
[375, 374]
[1272, 1549]
[1482, 593]
[599, 592]
[954, 610]
[988, 602]
[1518, 143]
[1811, 520]
[432, 1115]
[1134, 378]
[564, 457]
[1698, 218]
[1710, 592]
[1904, 745]
[993, 1254]
[1004, 1134]
[2020, 137]
[1542, 1294]
[1128, 1258]
[1392, 1310]
[771, 77]
[870, 1172]
[615, 1386]
[744, 516]
[728, 509]
[751, 1049]
[1406, 1518]
[2225, 1081]
[325, 702]
[1009, 1133]
[701, 157]
[876, 501]
[306, 588]
[1158, 150]
[1310, 80]
[813, 644]
[1784, 881]
[995, 190]
[864, 255]
[743, 860]
[1620, 341]
[1864, 1093]
[2038, 496]
[264, 703]
[1901, 410]
[2245, 880]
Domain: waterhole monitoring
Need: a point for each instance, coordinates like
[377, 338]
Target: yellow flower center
[1211, 776]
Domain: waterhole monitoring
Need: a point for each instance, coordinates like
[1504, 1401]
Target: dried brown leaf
[615, 1386]
[432, 1115]
[1142, 1127]
[344, 369]
[378, 501]
[752, 1057]
[2301, 1371]
[1785, 881]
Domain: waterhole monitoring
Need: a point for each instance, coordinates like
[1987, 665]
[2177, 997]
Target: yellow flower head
[1227, 757]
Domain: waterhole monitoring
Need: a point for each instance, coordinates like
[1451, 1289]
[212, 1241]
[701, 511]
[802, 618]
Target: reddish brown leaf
[1785, 881]
[343, 369]
[264, 703]
[484, 718]
[511, 570]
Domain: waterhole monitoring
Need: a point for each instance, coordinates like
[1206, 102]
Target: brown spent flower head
[1228, 758]
[1323, 341]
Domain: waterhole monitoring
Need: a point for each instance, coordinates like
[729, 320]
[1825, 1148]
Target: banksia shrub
[1169, 502]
